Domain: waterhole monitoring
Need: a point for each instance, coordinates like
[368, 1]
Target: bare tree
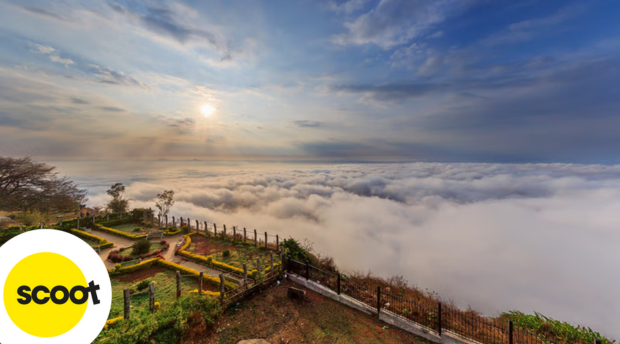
[28, 185]
[165, 201]
[118, 204]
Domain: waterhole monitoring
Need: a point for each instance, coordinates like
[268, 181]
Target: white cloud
[531, 237]
[395, 22]
[51, 53]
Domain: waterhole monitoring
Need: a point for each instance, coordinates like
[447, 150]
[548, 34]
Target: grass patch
[239, 253]
[130, 228]
[155, 246]
[165, 291]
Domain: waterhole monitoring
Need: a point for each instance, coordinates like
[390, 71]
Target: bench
[296, 294]
[159, 235]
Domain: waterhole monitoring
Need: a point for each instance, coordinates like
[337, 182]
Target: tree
[28, 185]
[165, 201]
[118, 204]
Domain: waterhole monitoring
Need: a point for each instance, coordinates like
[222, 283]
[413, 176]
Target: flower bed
[208, 260]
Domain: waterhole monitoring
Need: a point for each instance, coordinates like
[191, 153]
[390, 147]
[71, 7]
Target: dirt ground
[204, 246]
[270, 315]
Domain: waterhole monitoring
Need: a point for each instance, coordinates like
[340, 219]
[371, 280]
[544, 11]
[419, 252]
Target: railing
[474, 327]
[429, 314]
[410, 310]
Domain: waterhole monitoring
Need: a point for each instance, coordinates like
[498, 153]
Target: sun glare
[207, 110]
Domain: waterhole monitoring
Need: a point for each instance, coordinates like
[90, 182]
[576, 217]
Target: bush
[163, 242]
[226, 253]
[137, 229]
[141, 247]
[293, 249]
[143, 285]
[30, 218]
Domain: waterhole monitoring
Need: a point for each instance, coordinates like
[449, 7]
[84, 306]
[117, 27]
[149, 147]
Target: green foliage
[293, 249]
[554, 329]
[141, 247]
[137, 229]
[167, 325]
[226, 253]
[143, 284]
[30, 218]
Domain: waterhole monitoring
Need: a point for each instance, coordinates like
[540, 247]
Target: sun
[207, 110]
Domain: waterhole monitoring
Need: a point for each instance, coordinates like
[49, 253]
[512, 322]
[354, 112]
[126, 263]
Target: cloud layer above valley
[532, 237]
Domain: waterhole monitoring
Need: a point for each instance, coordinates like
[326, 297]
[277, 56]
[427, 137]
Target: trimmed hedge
[210, 279]
[112, 322]
[206, 292]
[208, 260]
[172, 232]
[102, 242]
[145, 264]
[172, 266]
[119, 233]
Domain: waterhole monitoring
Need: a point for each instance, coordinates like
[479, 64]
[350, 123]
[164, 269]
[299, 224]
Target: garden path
[168, 255]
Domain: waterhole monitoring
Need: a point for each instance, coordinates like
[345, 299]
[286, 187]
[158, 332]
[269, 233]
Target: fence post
[127, 304]
[510, 332]
[107, 217]
[78, 223]
[265, 240]
[271, 253]
[224, 233]
[234, 233]
[152, 220]
[245, 237]
[258, 268]
[222, 287]
[439, 319]
[94, 219]
[206, 230]
[245, 275]
[152, 297]
[379, 301]
[338, 283]
[307, 270]
[255, 239]
[277, 243]
[178, 284]
[597, 341]
[197, 226]
[174, 223]
[41, 225]
[214, 230]
[200, 283]
[20, 227]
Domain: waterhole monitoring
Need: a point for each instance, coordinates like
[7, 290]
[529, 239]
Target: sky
[496, 237]
[318, 80]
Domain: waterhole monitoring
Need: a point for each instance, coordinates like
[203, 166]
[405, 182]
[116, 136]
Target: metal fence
[435, 316]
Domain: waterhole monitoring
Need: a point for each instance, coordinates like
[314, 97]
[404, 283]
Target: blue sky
[442, 80]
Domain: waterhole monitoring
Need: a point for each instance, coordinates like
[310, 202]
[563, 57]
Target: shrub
[137, 229]
[163, 242]
[293, 249]
[34, 217]
[143, 284]
[141, 247]
[226, 253]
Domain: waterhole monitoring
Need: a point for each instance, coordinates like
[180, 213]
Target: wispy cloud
[52, 54]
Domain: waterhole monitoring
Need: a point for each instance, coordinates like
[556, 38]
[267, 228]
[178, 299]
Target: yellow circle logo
[46, 294]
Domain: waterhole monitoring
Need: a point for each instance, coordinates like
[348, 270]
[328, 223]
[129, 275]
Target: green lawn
[130, 227]
[243, 253]
[165, 291]
[129, 251]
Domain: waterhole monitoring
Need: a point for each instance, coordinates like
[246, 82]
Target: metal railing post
[338, 283]
[510, 332]
[439, 319]
[307, 269]
[379, 301]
